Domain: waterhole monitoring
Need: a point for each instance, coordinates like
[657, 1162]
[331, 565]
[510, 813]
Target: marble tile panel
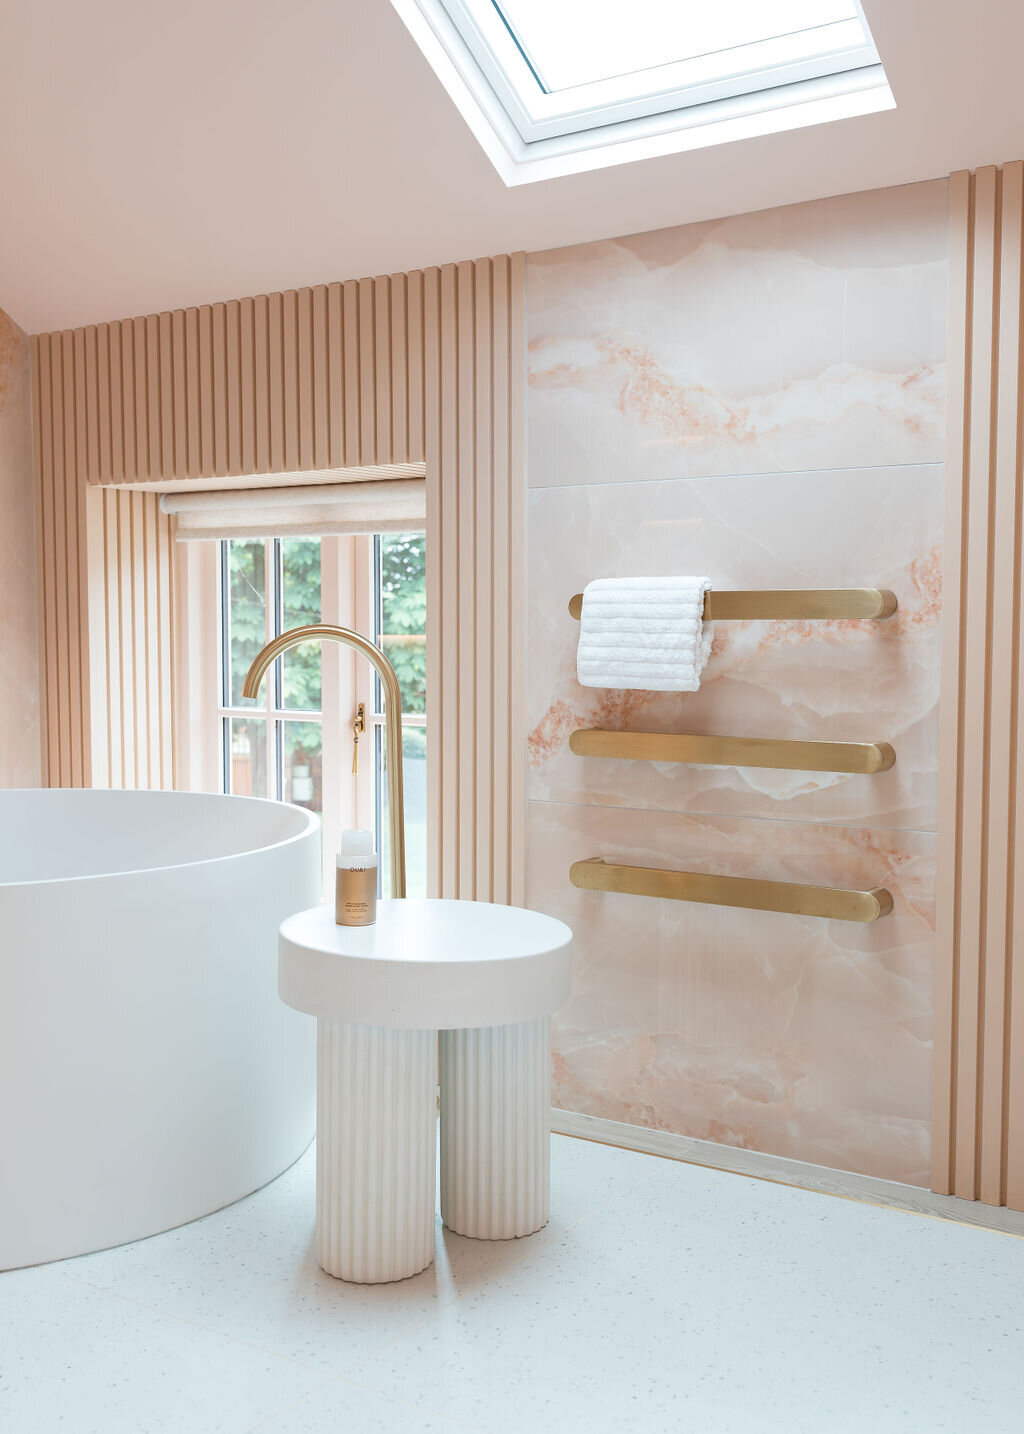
[791, 1035]
[806, 337]
[858, 681]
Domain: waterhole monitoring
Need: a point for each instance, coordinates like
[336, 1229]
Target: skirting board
[783, 1171]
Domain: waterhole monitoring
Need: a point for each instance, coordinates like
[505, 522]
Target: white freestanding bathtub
[148, 1071]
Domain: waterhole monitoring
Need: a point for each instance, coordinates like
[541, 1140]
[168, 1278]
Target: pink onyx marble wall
[19, 690]
[761, 400]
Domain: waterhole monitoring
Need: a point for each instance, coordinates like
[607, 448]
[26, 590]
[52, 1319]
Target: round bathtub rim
[310, 825]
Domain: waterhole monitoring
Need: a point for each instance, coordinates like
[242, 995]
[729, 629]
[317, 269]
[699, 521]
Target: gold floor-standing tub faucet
[392, 720]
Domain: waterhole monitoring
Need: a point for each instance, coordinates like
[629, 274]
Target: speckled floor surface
[663, 1298]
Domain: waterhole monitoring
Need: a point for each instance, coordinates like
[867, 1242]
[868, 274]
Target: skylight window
[564, 48]
[556, 86]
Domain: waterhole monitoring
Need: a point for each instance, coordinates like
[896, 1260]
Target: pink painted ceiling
[158, 156]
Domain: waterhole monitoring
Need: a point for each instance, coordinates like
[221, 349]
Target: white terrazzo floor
[663, 1298]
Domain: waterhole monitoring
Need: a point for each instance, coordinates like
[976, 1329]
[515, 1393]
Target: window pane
[414, 780]
[403, 581]
[578, 41]
[303, 764]
[247, 755]
[246, 615]
[300, 604]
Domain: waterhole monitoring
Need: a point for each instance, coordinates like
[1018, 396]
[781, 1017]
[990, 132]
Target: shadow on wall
[19, 692]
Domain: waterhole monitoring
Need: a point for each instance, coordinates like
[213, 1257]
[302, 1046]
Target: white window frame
[538, 114]
[530, 135]
[267, 707]
[347, 567]
[375, 715]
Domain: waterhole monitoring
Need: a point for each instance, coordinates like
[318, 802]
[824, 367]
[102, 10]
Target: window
[295, 741]
[555, 86]
[662, 54]
[271, 746]
[399, 627]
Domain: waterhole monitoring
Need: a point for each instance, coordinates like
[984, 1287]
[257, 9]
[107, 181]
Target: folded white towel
[645, 633]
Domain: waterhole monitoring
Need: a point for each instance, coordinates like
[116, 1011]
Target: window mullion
[224, 679]
[225, 627]
[270, 685]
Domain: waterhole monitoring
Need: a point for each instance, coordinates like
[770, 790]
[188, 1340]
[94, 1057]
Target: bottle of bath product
[355, 885]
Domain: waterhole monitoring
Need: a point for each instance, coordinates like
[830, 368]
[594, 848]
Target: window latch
[358, 725]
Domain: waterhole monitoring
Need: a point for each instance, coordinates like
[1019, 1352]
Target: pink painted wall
[760, 399]
[19, 688]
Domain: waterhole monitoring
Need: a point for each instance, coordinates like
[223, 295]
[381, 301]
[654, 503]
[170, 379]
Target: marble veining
[791, 1035]
[856, 681]
[796, 338]
[760, 399]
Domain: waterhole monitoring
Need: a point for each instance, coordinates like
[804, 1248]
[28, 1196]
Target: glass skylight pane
[577, 42]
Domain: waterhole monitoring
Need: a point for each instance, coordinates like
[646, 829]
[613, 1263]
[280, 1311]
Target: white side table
[487, 978]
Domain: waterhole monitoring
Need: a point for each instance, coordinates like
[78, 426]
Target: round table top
[426, 964]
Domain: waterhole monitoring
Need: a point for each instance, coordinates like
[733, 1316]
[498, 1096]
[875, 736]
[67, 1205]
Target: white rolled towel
[645, 633]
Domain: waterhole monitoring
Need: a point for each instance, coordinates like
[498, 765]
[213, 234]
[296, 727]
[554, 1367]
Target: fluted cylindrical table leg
[496, 1129]
[376, 1118]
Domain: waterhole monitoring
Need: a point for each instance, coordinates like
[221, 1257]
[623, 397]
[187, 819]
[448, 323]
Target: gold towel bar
[789, 604]
[596, 874]
[867, 757]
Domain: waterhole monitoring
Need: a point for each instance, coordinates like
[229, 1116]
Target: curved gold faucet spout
[392, 719]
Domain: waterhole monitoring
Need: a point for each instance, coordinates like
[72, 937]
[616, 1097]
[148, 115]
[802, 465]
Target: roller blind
[395, 505]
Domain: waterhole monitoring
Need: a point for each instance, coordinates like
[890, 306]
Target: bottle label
[355, 895]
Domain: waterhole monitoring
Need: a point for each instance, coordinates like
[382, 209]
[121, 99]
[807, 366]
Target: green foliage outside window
[404, 614]
[248, 593]
[301, 682]
[247, 579]
[300, 605]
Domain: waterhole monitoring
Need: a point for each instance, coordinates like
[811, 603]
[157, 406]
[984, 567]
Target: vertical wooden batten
[131, 639]
[978, 1124]
[427, 366]
[310, 379]
[474, 371]
[60, 407]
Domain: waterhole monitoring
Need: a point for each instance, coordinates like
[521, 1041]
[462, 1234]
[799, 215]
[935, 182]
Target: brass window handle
[358, 725]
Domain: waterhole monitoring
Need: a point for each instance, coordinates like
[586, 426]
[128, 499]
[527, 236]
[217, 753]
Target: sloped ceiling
[156, 157]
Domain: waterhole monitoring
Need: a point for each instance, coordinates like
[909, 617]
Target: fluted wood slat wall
[131, 640]
[62, 559]
[978, 1121]
[400, 369]
[309, 379]
[475, 328]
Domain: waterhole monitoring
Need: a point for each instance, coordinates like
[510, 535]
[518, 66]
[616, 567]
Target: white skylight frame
[530, 133]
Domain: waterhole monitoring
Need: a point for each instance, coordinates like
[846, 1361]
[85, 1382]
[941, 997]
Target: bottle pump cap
[356, 843]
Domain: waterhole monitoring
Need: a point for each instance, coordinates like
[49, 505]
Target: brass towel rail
[834, 903]
[788, 604]
[853, 757]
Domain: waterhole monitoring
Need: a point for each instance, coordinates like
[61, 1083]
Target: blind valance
[395, 505]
